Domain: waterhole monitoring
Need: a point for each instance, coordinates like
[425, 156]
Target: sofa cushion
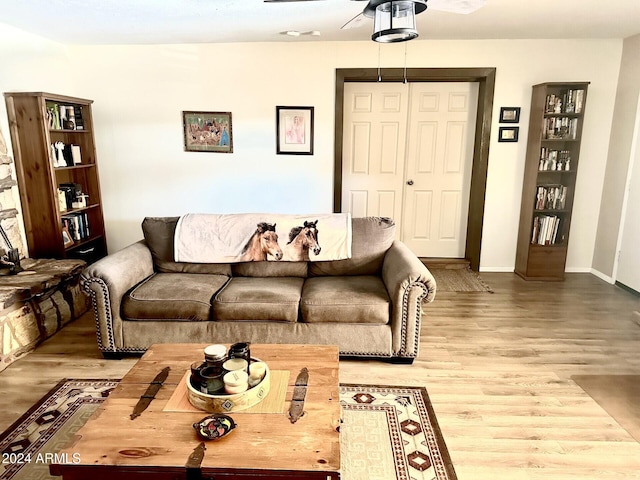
[256, 298]
[371, 238]
[159, 235]
[269, 269]
[347, 299]
[173, 296]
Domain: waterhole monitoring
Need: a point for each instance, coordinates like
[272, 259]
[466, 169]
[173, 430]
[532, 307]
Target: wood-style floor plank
[497, 367]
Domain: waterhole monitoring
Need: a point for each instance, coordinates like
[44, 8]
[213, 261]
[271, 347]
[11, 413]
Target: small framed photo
[294, 130]
[509, 114]
[207, 132]
[508, 134]
[66, 237]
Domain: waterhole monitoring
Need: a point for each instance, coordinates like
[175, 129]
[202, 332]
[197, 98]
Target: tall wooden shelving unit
[32, 134]
[553, 151]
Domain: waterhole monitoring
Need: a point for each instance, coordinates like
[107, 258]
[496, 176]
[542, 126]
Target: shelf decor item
[294, 130]
[509, 114]
[553, 150]
[207, 131]
[45, 163]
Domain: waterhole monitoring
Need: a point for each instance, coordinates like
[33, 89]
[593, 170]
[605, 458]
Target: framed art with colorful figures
[207, 131]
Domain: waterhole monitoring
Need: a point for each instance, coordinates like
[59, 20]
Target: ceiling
[215, 21]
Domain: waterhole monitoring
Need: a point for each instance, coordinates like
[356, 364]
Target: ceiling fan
[394, 20]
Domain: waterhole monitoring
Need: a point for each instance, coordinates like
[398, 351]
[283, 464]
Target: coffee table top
[159, 440]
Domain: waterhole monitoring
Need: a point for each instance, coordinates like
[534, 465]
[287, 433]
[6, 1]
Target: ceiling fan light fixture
[394, 20]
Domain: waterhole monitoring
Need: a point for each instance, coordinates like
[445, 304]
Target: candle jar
[257, 371]
[241, 350]
[215, 355]
[196, 378]
[234, 364]
[212, 380]
[236, 382]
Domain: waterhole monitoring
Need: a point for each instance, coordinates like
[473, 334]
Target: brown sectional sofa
[369, 305]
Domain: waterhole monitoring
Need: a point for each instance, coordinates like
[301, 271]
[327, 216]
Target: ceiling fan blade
[456, 6]
[355, 22]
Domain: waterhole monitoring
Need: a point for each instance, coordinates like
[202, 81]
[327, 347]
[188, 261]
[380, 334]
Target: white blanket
[216, 238]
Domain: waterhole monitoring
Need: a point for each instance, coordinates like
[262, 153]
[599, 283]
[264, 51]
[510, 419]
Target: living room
[139, 91]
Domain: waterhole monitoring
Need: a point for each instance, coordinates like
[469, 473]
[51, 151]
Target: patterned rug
[386, 433]
[459, 280]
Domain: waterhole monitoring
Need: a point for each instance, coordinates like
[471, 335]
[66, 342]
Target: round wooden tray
[225, 403]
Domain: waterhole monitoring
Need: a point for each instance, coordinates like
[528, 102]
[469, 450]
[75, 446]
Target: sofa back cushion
[159, 235]
[371, 238]
[269, 269]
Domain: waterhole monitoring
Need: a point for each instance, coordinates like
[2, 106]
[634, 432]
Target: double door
[407, 155]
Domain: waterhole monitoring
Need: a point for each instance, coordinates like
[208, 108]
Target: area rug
[617, 395]
[386, 433]
[459, 280]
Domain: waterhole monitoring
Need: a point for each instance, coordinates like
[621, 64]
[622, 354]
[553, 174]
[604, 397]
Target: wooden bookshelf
[553, 151]
[34, 130]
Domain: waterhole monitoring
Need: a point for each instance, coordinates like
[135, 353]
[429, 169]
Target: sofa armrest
[107, 281]
[410, 284]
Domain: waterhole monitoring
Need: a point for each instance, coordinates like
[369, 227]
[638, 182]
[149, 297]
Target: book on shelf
[545, 230]
[554, 160]
[77, 110]
[76, 155]
[77, 224]
[560, 128]
[568, 101]
[551, 197]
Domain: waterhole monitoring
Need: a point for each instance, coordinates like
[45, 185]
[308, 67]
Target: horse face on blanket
[301, 240]
[263, 241]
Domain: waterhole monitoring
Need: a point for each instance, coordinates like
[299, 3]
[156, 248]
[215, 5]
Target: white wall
[618, 158]
[140, 91]
[29, 63]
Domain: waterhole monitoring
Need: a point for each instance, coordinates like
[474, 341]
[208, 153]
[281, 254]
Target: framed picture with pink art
[294, 130]
[207, 132]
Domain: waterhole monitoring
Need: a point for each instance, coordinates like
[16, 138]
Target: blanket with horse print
[251, 237]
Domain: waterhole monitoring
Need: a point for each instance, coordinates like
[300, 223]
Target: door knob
[410, 182]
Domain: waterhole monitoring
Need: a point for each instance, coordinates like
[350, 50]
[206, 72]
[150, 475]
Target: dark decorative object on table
[215, 426]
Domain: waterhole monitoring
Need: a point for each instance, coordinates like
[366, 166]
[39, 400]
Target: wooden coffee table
[162, 445]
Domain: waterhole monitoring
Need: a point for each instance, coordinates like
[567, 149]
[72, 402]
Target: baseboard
[497, 269]
[578, 270]
[602, 276]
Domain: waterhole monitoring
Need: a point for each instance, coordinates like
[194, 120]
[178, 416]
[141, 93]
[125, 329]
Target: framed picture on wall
[294, 130]
[508, 134]
[509, 114]
[207, 132]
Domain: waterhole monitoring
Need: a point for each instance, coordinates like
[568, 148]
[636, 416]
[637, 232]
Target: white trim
[578, 270]
[625, 199]
[602, 276]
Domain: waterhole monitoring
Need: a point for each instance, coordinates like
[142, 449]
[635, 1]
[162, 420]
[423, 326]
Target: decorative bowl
[214, 426]
[225, 403]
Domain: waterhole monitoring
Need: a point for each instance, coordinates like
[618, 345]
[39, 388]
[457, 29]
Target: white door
[628, 272]
[407, 154]
[373, 149]
[442, 119]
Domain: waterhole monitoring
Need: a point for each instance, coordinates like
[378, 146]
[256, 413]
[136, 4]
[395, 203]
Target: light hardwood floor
[497, 367]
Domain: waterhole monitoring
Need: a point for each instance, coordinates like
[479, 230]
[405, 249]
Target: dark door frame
[485, 77]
